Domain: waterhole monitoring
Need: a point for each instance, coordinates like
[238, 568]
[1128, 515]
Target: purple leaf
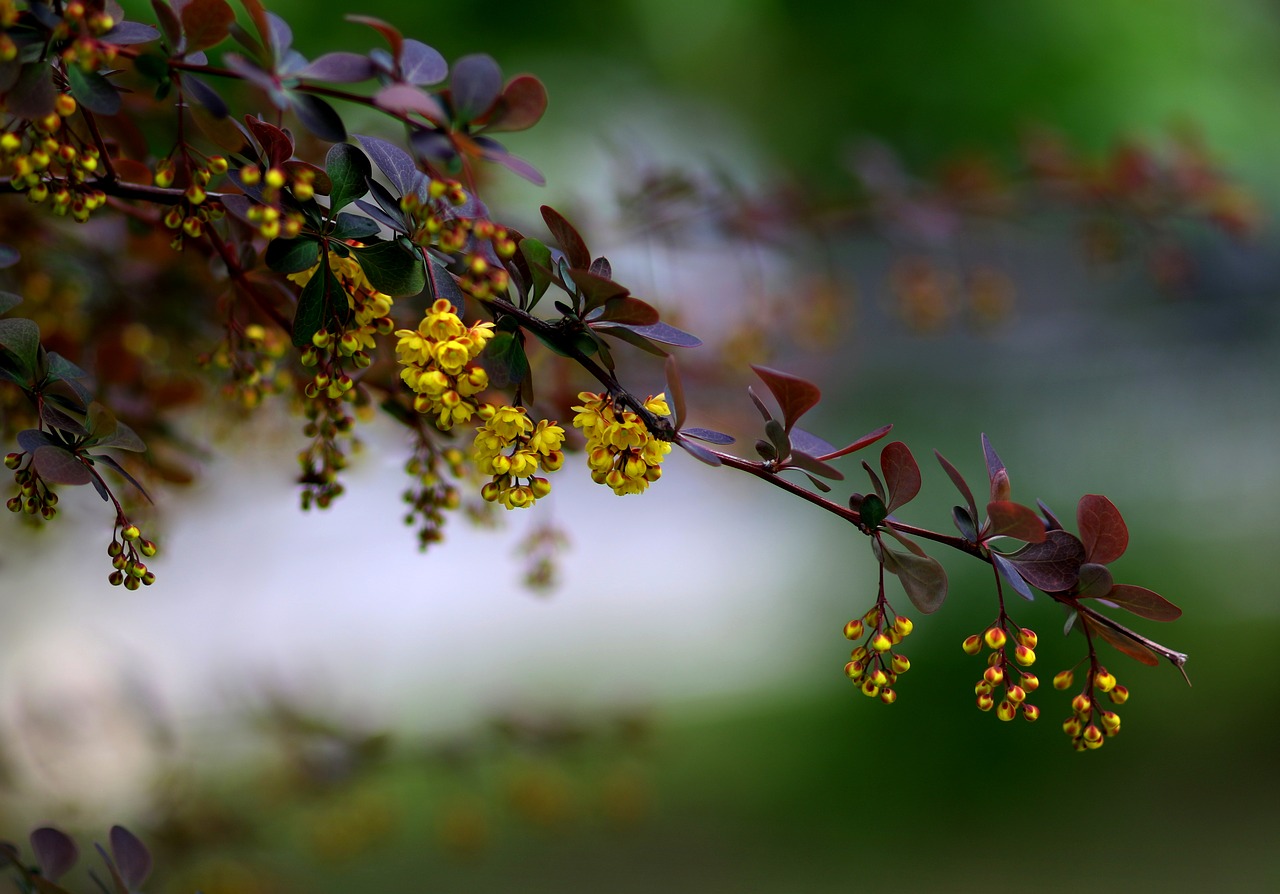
[433, 146]
[517, 166]
[1053, 565]
[710, 436]
[280, 36]
[119, 470]
[397, 165]
[1011, 574]
[389, 32]
[130, 33]
[205, 95]
[571, 243]
[476, 85]
[339, 68]
[807, 442]
[55, 851]
[422, 65]
[667, 335]
[961, 485]
[996, 472]
[251, 73]
[131, 856]
[1142, 602]
[405, 99]
[1010, 519]
[522, 105]
[675, 391]
[318, 116]
[59, 465]
[31, 438]
[697, 451]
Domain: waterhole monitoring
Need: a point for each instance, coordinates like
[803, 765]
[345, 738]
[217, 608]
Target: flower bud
[888, 696]
[1006, 711]
[1082, 704]
[993, 675]
[1111, 721]
[853, 670]
[900, 664]
[1104, 681]
[985, 702]
[1031, 713]
[1119, 695]
[1015, 694]
[880, 643]
[870, 689]
[1024, 656]
[131, 533]
[972, 644]
[852, 630]
[903, 625]
[995, 638]
[12, 460]
[1063, 679]
[1028, 638]
[1030, 682]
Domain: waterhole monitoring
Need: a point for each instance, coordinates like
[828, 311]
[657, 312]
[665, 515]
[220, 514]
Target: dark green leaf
[58, 465]
[873, 511]
[538, 257]
[21, 338]
[348, 169]
[292, 255]
[315, 304]
[922, 577]
[392, 268]
[504, 360]
[794, 395]
[8, 300]
[964, 523]
[777, 436]
[355, 226]
[93, 91]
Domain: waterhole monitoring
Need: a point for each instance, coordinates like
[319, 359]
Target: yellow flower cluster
[515, 481]
[874, 665]
[47, 160]
[439, 364]
[620, 450]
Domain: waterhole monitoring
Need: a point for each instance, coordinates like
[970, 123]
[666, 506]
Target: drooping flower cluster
[621, 451]
[126, 555]
[49, 161]
[511, 448]
[874, 666]
[1001, 671]
[1085, 733]
[439, 364]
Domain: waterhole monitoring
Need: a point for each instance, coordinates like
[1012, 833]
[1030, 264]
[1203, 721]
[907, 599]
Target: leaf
[807, 442]
[130, 33]
[55, 851]
[318, 116]
[32, 95]
[354, 226]
[597, 291]
[93, 91]
[505, 361]
[392, 268]
[794, 395]
[575, 250]
[8, 257]
[922, 577]
[31, 438]
[778, 438]
[1010, 519]
[292, 255]
[964, 523]
[422, 65]
[132, 857]
[812, 466]
[475, 86]
[996, 472]
[389, 32]
[59, 465]
[538, 256]
[122, 438]
[441, 284]
[318, 296]
[631, 337]
[406, 99]
[522, 105]
[1122, 643]
[348, 169]
[663, 333]
[206, 23]
[495, 152]
[901, 474]
[339, 68]
[21, 338]
[709, 435]
[1010, 572]
[625, 309]
[1095, 581]
[1053, 565]
[1049, 517]
[697, 451]
[1142, 602]
[961, 485]
[8, 300]
[875, 482]
[864, 441]
[1102, 530]
[396, 165]
[111, 463]
[872, 511]
[277, 144]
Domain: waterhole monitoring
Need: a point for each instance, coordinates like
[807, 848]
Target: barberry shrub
[226, 204]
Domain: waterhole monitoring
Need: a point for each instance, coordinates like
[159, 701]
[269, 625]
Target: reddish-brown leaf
[1053, 565]
[277, 144]
[389, 32]
[996, 472]
[520, 107]
[570, 242]
[961, 485]
[794, 395]
[1122, 643]
[1102, 531]
[901, 474]
[206, 23]
[864, 441]
[1143, 602]
[1014, 520]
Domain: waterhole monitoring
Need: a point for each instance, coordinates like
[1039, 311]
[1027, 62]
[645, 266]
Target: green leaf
[392, 268]
[21, 338]
[777, 436]
[8, 300]
[1095, 581]
[504, 360]
[318, 297]
[348, 169]
[93, 91]
[539, 258]
[873, 511]
[353, 226]
[292, 255]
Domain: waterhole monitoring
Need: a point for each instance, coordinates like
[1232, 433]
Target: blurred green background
[791, 781]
